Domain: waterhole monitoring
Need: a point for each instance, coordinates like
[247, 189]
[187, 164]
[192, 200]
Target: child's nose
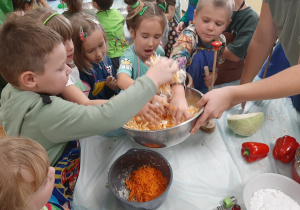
[210, 26]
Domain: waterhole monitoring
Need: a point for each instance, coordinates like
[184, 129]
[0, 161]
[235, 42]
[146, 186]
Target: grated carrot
[146, 184]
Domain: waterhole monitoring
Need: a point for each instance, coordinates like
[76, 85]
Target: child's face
[147, 37]
[210, 22]
[43, 194]
[56, 73]
[69, 50]
[95, 47]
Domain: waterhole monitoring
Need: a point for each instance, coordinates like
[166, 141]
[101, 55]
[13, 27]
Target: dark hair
[104, 4]
[58, 22]
[24, 46]
[88, 24]
[153, 9]
[20, 4]
[74, 6]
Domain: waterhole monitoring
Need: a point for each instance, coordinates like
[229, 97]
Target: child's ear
[194, 17]
[27, 79]
[95, 5]
[132, 33]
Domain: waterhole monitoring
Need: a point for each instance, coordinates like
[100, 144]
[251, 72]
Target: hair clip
[81, 34]
[163, 7]
[27, 1]
[143, 10]
[135, 5]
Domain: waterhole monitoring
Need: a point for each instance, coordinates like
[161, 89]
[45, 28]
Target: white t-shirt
[74, 79]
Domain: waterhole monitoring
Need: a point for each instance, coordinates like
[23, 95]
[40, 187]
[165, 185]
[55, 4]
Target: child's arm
[124, 81]
[73, 94]
[66, 121]
[178, 104]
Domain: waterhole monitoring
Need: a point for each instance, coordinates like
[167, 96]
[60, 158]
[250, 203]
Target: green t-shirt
[6, 6]
[132, 65]
[113, 23]
[243, 25]
[286, 17]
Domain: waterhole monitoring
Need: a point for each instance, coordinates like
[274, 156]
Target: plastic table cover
[206, 167]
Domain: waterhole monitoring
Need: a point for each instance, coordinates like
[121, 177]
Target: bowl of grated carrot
[140, 179]
[166, 133]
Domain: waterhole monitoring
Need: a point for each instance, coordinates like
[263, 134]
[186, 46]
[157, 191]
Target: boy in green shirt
[30, 107]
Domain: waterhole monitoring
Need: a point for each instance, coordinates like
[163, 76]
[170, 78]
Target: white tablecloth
[206, 167]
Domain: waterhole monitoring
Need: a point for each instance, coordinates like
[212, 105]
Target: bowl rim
[281, 180]
[140, 204]
[165, 129]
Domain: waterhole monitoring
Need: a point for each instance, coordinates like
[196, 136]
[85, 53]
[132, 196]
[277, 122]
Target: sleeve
[184, 19]
[184, 46]
[126, 65]
[240, 44]
[64, 121]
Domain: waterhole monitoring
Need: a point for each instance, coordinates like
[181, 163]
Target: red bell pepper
[254, 151]
[285, 149]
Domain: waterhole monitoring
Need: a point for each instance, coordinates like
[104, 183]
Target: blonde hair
[226, 4]
[88, 24]
[16, 155]
[24, 46]
[58, 22]
[134, 17]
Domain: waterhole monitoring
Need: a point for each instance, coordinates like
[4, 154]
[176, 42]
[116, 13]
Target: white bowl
[271, 181]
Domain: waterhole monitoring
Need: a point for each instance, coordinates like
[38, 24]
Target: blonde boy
[26, 178]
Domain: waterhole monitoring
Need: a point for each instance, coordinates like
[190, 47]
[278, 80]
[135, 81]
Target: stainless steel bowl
[169, 136]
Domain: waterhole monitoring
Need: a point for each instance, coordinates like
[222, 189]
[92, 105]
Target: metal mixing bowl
[169, 136]
[132, 160]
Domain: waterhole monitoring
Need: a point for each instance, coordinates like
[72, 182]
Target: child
[23, 5]
[187, 18]
[197, 39]
[211, 18]
[30, 108]
[26, 178]
[282, 84]
[172, 35]
[75, 90]
[75, 6]
[90, 57]
[146, 22]
[113, 23]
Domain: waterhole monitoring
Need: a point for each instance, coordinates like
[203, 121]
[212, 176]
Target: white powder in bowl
[272, 199]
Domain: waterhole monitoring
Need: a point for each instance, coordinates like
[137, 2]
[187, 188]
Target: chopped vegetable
[146, 184]
[246, 124]
[166, 121]
[254, 151]
[285, 149]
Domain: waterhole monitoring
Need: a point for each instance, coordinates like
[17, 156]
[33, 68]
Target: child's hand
[150, 112]
[180, 28]
[162, 102]
[111, 82]
[162, 71]
[208, 79]
[178, 104]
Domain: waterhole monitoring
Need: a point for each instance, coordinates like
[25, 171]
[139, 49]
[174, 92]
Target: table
[206, 167]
